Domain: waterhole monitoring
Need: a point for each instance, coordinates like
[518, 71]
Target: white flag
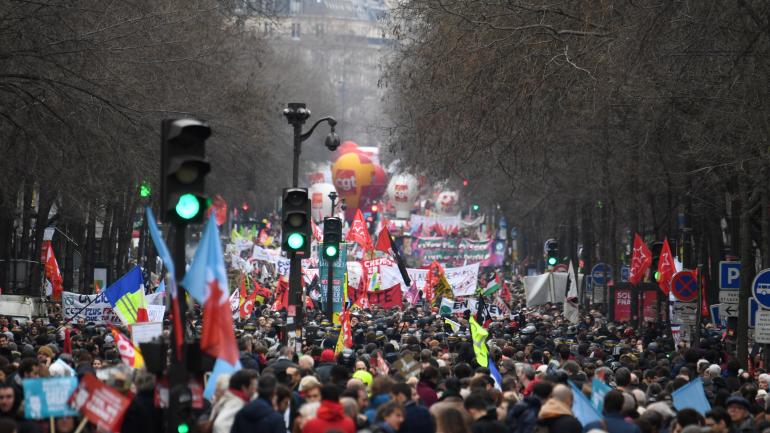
[571, 311]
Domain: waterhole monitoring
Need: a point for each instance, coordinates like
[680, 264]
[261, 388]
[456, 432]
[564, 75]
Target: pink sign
[622, 305]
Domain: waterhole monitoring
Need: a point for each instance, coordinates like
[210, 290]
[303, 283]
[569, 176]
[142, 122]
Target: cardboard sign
[48, 397]
[101, 404]
[145, 332]
[388, 298]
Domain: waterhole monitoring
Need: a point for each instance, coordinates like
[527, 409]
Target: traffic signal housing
[552, 252]
[183, 170]
[655, 248]
[296, 221]
[332, 238]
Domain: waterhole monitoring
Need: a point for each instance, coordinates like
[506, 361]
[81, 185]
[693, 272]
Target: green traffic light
[552, 261]
[475, 207]
[188, 206]
[144, 190]
[657, 276]
[331, 251]
[295, 241]
[183, 428]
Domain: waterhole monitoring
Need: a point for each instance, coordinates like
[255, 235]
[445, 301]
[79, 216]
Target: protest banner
[457, 306]
[450, 251]
[90, 308]
[387, 298]
[462, 279]
[99, 403]
[48, 397]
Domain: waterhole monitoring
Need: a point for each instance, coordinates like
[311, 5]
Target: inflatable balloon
[320, 203]
[372, 193]
[403, 190]
[447, 202]
[347, 146]
[353, 173]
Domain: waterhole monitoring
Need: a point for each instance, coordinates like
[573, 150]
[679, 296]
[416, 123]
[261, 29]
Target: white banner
[446, 222]
[549, 287]
[462, 279]
[452, 307]
[99, 311]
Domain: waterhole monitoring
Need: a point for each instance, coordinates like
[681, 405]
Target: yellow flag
[479, 336]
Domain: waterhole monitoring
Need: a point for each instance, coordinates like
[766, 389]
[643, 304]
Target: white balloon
[320, 203]
[402, 191]
[447, 203]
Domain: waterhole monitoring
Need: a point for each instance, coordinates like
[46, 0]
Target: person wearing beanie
[45, 355]
[324, 368]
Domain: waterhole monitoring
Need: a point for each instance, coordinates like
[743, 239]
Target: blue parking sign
[730, 275]
[760, 288]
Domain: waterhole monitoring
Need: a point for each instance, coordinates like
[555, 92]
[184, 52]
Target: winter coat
[330, 416]
[249, 361]
[223, 412]
[522, 417]
[324, 371]
[258, 415]
[374, 404]
[488, 424]
[417, 419]
[614, 423]
[557, 417]
[427, 394]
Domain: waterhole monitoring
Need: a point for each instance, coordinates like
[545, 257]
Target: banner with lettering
[462, 278]
[450, 307]
[450, 251]
[388, 298]
[622, 305]
[91, 308]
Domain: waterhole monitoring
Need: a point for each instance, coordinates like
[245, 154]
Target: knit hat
[327, 355]
[46, 351]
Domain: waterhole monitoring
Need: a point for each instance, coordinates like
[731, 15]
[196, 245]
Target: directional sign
[760, 288]
[728, 310]
[685, 313]
[598, 273]
[730, 275]
[684, 286]
[625, 273]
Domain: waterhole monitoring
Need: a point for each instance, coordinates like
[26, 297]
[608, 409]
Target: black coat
[488, 424]
[258, 415]
[559, 424]
[417, 419]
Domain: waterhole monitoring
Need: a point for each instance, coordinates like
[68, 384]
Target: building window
[295, 30]
[319, 29]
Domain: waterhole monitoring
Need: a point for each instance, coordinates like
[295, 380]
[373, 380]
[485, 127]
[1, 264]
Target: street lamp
[296, 114]
[333, 198]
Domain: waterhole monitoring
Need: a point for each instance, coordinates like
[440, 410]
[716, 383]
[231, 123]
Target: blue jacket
[614, 423]
[522, 417]
[258, 415]
[417, 419]
[374, 404]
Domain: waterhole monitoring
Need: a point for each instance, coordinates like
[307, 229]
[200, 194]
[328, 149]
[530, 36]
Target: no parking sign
[684, 286]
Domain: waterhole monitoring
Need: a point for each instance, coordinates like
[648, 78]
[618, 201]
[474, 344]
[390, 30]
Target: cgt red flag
[358, 232]
[640, 260]
[383, 241]
[666, 268]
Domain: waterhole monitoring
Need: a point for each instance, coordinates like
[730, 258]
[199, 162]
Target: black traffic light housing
[551, 252]
[183, 170]
[332, 238]
[655, 249]
[296, 221]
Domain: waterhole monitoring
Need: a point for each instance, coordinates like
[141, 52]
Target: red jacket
[330, 416]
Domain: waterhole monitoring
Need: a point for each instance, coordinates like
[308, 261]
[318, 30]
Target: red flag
[281, 294]
[247, 306]
[97, 289]
[358, 232]
[67, 348]
[52, 273]
[640, 260]
[218, 326]
[666, 268]
[219, 209]
[383, 241]
[433, 277]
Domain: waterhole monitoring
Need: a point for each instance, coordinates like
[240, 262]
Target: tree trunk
[747, 273]
[45, 201]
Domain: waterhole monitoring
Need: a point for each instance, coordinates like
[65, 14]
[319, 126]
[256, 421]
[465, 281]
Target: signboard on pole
[760, 288]
[48, 397]
[762, 330]
[625, 273]
[98, 402]
[730, 275]
[684, 286]
[601, 273]
[685, 313]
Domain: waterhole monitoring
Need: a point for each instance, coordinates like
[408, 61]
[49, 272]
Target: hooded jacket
[258, 415]
[330, 416]
[223, 412]
[557, 417]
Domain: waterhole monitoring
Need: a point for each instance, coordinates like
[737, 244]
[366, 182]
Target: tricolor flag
[129, 353]
[493, 285]
[127, 297]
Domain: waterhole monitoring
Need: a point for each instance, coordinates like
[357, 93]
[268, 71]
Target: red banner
[387, 298]
[101, 404]
[649, 306]
[622, 305]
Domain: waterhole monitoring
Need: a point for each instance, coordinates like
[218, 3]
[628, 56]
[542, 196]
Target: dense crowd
[409, 371]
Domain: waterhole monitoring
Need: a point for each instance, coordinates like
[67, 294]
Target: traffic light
[183, 170]
[180, 409]
[475, 207]
[655, 249]
[296, 221]
[552, 252]
[144, 189]
[332, 238]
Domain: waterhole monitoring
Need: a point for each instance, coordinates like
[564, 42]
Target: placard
[90, 308]
[101, 404]
[145, 332]
[48, 397]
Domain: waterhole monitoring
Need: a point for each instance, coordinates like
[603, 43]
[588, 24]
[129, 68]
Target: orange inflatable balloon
[352, 173]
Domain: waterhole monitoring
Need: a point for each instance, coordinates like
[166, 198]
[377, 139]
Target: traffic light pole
[330, 290]
[180, 396]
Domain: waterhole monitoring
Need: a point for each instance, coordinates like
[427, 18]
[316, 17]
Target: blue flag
[581, 407]
[220, 367]
[127, 296]
[691, 396]
[598, 390]
[495, 374]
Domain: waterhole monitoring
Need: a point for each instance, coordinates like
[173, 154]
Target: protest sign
[48, 397]
[145, 332]
[76, 306]
[457, 306]
[387, 298]
[99, 403]
[462, 279]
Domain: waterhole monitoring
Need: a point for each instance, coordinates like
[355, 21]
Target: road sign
[625, 273]
[684, 286]
[685, 313]
[730, 275]
[762, 330]
[728, 297]
[598, 273]
[561, 267]
[728, 310]
[760, 288]
[715, 316]
[753, 308]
